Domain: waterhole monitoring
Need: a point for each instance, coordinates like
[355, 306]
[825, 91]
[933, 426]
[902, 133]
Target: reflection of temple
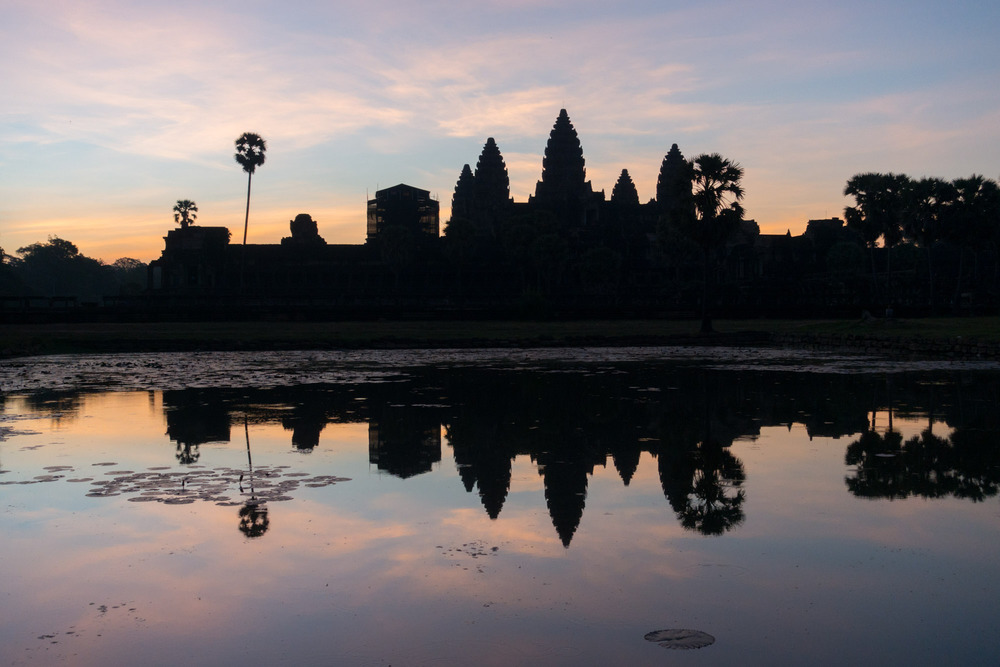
[485, 465]
[566, 473]
[306, 422]
[683, 418]
[404, 442]
[195, 417]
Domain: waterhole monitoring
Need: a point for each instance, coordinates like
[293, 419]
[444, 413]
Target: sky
[112, 110]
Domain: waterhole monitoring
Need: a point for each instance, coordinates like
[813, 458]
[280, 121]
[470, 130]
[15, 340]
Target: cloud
[360, 94]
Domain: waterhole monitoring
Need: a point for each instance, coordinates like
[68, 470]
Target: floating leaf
[680, 638]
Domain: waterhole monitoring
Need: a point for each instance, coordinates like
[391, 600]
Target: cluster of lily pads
[180, 487]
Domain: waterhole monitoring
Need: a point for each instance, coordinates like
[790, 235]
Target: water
[499, 507]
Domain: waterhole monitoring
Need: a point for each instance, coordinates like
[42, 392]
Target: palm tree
[717, 213]
[928, 205]
[185, 212]
[974, 218]
[878, 213]
[250, 150]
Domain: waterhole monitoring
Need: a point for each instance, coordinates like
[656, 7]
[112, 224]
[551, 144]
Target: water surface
[498, 507]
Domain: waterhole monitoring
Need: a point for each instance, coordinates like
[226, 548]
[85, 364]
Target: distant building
[404, 206]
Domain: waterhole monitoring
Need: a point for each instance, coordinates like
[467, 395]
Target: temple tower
[624, 193]
[492, 202]
[673, 187]
[463, 201]
[564, 189]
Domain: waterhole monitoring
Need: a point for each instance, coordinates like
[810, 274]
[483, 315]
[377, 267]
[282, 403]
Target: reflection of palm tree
[715, 504]
[253, 515]
[975, 462]
[253, 519]
[880, 468]
[964, 465]
[187, 452]
[704, 486]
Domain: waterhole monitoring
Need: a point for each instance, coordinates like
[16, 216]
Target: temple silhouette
[908, 247]
[568, 249]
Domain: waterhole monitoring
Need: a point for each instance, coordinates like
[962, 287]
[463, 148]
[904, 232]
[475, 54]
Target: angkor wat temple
[567, 250]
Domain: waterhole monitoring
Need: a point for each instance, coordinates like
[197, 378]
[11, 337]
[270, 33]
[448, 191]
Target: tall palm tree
[185, 212]
[717, 213]
[880, 204]
[927, 209]
[975, 212]
[250, 150]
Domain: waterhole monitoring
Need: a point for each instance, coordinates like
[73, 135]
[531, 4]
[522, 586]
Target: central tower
[564, 189]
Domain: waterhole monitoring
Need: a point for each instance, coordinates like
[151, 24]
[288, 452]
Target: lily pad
[680, 638]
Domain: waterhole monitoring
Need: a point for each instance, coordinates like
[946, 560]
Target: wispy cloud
[362, 93]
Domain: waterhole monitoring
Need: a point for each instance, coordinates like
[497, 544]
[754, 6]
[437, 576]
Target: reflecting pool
[596, 506]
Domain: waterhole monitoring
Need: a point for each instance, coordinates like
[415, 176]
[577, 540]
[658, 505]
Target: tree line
[935, 216]
[57, 268]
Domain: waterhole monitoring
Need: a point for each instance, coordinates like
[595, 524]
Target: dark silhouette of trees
[960, 219]
[880, 204]
[185, 212]
[717, 214]
[130, 274]
[57, 268]
[10, 280]
[928, 205]
[974, 219]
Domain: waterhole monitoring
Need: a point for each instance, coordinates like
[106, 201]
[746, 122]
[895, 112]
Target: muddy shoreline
[958, 339]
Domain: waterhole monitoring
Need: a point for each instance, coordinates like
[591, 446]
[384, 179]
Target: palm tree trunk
[246, 224]
[888, 277]
[706, 321]
[957, 301]
[875, 290]
[930, 280]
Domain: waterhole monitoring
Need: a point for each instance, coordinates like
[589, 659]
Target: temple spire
[624, 192]
[492, 188]
[564, 189]
[462, 202]
[673, 187]
[563, 171]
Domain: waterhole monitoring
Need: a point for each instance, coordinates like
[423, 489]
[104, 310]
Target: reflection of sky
[115, 109]
[379, 570]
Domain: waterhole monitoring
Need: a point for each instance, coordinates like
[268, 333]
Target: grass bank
[33, 339]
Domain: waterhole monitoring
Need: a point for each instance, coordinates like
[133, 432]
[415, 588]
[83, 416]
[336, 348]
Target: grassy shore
[32, 339]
